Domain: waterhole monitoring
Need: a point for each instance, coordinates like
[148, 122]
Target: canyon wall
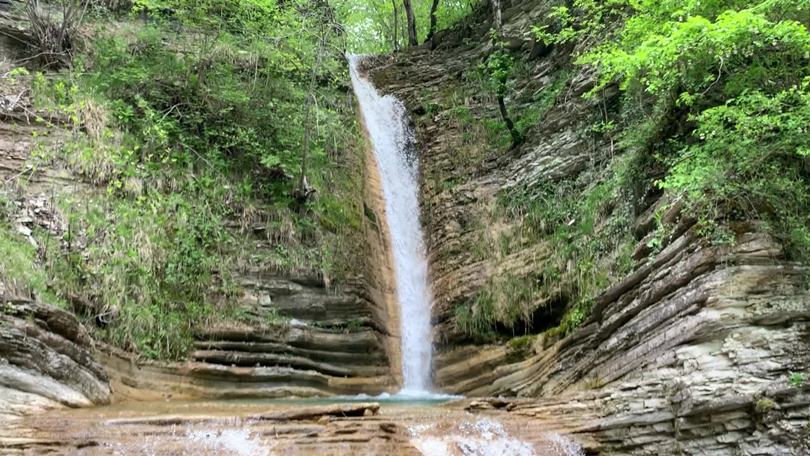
[694, 350]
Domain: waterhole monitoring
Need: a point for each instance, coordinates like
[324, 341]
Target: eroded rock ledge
[46, 360]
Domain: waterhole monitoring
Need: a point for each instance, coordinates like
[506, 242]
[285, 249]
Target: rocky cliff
[292, 334]
[46, 361]
[688, 351]
[685, 346]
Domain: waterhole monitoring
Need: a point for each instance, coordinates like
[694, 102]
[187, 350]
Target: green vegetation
[765, 405]
[521, 346]
[152, 267]
[381, 26]
[21, 276]
[797, 379]
[734, 75]
[579, 233]
[497, 69]
[189, 121]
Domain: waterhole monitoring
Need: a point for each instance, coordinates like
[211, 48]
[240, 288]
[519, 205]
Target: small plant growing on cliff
[560, 29]
[521, 346]
[354, 325]
[53, 30]
[797, 379]
[273, 317]
[765, 405]
[497, 69]
[593, 382]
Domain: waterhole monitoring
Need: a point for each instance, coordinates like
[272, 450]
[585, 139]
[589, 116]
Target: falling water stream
[387, 125]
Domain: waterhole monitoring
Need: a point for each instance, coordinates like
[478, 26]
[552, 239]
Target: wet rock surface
[288, 428]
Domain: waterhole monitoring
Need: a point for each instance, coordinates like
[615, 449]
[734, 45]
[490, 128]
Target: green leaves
[498, 68]
[561, 29]
[748, 150]
[371, 27]
[661, 51]
[737, 73]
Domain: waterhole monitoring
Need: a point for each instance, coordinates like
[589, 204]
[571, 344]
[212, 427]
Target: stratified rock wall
[46, 360]
[691, 353]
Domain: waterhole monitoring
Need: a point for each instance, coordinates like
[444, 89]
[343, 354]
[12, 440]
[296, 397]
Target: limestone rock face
[46, 360]
[690, 353]
[327, 343]
[306, 339]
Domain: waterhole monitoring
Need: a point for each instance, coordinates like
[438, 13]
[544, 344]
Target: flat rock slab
[316, 413]
[259, 428]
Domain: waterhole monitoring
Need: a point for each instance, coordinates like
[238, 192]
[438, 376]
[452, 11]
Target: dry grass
[54, 29]
[93, 117]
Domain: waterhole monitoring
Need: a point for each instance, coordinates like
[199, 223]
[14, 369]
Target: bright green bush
[734, 74]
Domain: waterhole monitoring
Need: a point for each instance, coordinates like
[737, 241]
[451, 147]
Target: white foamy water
[386, 121]
[238, 442]
[485, 437]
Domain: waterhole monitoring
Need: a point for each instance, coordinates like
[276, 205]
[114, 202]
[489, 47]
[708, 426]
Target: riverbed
[260, 427]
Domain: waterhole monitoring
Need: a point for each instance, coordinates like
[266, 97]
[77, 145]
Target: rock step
[150, 380]
[362, 341]
[370, 359]
[46, 358]
[248, 359]
[302, 299]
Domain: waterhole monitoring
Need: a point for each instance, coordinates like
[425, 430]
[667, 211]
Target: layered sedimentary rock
[692, 352]
[46, 360]
[316, 341]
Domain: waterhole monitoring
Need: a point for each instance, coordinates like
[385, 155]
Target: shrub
[731, 75]
[54, 28]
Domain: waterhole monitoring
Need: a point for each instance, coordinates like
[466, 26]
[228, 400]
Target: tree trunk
[303, 191]
[412, 41]
[396, 24]
[516, 138]
[433, 8]
[496, 9]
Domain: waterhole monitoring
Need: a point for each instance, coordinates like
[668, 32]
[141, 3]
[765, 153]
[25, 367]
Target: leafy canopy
[735, 74]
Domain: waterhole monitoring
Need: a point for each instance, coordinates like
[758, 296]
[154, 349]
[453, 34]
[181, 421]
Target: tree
[433, 7]
[496, 10]
[499, 66]
[303, 191]
[412, 41]
[326, 23]
[396, 24]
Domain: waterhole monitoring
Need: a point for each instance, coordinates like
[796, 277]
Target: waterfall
[392, 140]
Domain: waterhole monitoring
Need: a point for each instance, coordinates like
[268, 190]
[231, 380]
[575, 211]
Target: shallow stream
[290, 427]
